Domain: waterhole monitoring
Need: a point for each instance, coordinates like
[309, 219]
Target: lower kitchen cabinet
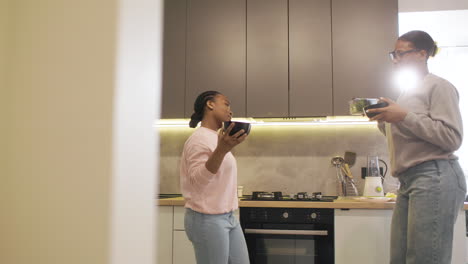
[179, 213]
[173, 246]
[363, 236]
[164, 234]
[183, 249]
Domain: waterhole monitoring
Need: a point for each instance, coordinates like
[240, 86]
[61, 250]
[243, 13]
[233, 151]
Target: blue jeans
[430, 197]
[217, 239]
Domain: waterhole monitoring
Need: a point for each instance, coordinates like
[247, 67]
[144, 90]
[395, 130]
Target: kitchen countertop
[342, 203]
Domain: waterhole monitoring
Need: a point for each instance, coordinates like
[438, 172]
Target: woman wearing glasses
[423, 129]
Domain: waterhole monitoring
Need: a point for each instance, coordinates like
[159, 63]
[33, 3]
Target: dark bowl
[379, 105]
[237, 127]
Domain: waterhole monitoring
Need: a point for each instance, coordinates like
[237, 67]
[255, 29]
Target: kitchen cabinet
[216, 51]
[267, 58]
[363, 33]
[278, 58]
[310, 58]
[174, 59]
[179, 213]
[164, 234]
[183, 252]
[363, 236]
[183, 249]
[173, 246]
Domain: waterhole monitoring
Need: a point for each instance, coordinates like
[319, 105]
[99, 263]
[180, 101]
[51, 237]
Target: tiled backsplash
[285, 158]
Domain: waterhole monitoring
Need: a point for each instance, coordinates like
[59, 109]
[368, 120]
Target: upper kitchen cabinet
[310, 58]
[363, 32]
[278, 58]
[174, 59]
[267, 58]
[216, 51]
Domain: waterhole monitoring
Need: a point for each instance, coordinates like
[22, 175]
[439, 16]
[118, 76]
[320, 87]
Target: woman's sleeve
[443, 125]
[197, 156]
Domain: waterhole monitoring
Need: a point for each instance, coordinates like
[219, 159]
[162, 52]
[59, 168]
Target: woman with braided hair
[208, 176]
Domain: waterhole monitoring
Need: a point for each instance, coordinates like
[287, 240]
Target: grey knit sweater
[432, 129]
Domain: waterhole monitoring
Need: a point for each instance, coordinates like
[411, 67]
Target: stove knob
[285, 215]
[313, 215]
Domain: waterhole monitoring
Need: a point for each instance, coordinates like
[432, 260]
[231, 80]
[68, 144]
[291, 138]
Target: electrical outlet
[364, 172]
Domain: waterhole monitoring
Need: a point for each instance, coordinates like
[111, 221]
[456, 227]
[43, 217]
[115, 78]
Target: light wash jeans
[430, 197]
[217, 239]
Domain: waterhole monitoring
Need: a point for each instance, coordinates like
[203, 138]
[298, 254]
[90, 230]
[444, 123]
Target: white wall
[75, 114]
[431, 5]
[448, 28]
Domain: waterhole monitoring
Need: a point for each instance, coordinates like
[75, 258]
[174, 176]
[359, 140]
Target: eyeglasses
[398, 54]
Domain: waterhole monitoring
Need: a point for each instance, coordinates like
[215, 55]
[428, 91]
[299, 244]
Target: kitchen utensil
[351, 189]
[348, 171]
[338, 161]
[350, 160]
[237, 127]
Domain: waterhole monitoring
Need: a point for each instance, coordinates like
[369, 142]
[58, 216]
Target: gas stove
[300, 196]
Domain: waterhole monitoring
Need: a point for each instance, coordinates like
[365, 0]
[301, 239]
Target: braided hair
[421, 41]
[199, 107]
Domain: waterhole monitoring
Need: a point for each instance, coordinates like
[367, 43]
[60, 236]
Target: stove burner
[267, 196]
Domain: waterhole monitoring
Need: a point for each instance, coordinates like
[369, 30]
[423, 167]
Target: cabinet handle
[287, 232]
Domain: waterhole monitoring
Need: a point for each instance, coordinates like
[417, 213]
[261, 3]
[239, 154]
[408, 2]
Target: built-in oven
[288, 235]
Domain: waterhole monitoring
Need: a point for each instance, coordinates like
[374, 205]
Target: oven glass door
[286, 248]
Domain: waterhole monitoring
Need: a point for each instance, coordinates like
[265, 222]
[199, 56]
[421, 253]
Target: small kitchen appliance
[373, 182]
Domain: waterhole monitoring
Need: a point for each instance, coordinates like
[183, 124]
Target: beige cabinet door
[267, 58]
[363, 33]
[310, 58]
[164, 234]
[179, 215]
[216, 51]
[183, 249]
[173, 92]
[362, 236]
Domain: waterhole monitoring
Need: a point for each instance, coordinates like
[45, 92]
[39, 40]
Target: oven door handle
[287, 232]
